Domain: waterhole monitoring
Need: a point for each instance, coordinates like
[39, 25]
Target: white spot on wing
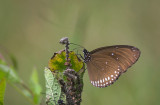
[134, 50]
[112, 54]
[108, 78]
[100, 81]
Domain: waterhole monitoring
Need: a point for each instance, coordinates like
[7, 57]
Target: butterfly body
[106, 64]
[87, 56]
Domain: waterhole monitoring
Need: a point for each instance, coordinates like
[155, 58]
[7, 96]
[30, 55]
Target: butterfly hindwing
[103, 74]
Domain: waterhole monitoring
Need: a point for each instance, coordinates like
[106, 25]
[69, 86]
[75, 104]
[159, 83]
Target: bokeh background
[31, 29]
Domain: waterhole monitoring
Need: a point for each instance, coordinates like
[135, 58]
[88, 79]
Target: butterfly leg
[80, 56]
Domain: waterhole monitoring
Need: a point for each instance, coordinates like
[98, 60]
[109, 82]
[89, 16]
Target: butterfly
[106, 64]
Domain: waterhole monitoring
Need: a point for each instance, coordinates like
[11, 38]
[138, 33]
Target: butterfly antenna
[77, 48]
[77, 45]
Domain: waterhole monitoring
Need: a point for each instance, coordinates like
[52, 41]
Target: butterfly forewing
[107, 63]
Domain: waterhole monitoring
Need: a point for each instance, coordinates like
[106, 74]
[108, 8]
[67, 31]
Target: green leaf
[2, 90]
[9, 73]
[2, 74]
[53, 89]
[14, 62]
[26, 93]
[58, 60]
[35, 87]
[2, 62]
[76, 63]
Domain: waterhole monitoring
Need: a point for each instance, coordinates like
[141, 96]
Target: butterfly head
[87, 56]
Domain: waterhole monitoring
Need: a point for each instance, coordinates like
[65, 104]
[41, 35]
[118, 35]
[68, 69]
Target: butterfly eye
[85, 51]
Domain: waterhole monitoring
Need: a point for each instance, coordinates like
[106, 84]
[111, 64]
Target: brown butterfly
[106, 64]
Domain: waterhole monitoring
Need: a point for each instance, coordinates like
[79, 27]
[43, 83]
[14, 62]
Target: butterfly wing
[107, 63]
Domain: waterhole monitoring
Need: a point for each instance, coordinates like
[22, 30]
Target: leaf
[76, 63]
[35, 87]
[26, 93]
[9, 73]
[56, 72]
[58, 60]
[14, 62]
[2, 90]
[53, 89]
[2, 62]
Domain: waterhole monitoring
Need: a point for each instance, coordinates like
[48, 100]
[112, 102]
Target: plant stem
[20, 91]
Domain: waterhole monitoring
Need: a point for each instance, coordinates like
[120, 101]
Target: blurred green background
[31, 29]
